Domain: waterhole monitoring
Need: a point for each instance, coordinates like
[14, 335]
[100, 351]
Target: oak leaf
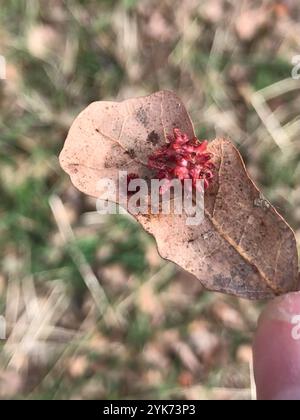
[243, 247]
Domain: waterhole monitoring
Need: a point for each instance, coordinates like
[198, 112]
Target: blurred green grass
[172, 339]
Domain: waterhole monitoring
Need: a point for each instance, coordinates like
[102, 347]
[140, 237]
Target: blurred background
[91, 310]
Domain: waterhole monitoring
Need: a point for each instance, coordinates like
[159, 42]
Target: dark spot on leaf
[221, 281]
[142, 117]
[153, 137]
[241, 271]
[131, 153]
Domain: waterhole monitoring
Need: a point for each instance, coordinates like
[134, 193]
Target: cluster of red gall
[181, 158]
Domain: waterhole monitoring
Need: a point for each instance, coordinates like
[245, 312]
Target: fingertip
[276, 350]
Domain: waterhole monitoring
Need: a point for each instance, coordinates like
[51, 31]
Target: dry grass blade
[91, 281]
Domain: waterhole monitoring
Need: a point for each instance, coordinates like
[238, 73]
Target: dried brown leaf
[243, 247]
